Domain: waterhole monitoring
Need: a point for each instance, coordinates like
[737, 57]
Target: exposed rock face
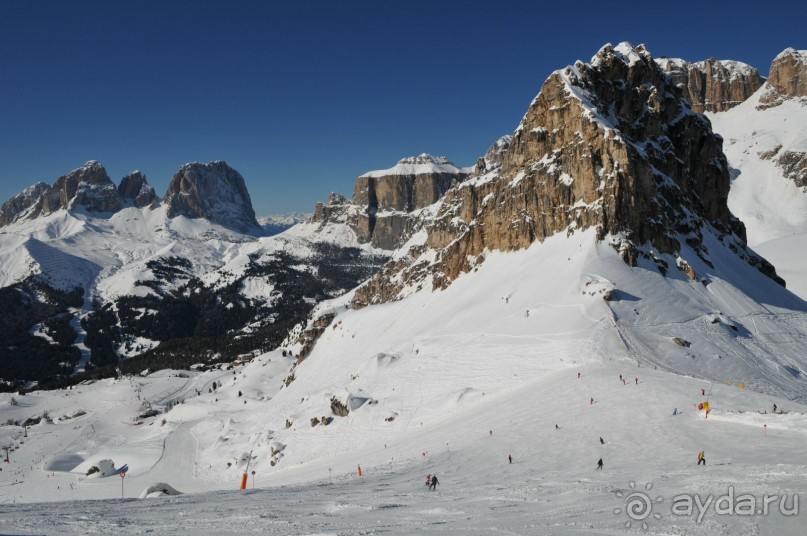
[788, 75]
[712, 85]
[413, 183]
[135, 189]
[383, 201]
[212, 191]
[87, 187]
[610, 144]
[794, 166]
[19, 204]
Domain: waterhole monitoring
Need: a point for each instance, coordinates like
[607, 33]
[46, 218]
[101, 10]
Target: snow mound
[159, 489]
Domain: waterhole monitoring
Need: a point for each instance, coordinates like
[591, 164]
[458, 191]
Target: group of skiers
[431, 480]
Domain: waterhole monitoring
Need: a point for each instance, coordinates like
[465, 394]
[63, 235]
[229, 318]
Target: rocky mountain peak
[19, 204]
[610, 144]
[787, 78]
[213, 191]
[713, 85]
[382, 209]
[135, 189]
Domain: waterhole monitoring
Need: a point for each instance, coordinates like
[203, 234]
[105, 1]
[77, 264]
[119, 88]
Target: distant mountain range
[615, 145]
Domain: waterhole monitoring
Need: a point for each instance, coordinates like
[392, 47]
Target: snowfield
[452, 382]
[772, 207]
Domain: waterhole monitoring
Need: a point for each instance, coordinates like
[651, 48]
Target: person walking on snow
[637, 381]
[510, 457]
[703, 391]
[578, 375]
[599, 464]
[557, 427]
[774, 408]
[701, 458]
[591, 402]
[434, 483]
[602, 441]
[428, 479]
[620, 377]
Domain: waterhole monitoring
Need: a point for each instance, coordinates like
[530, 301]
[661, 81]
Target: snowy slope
[772, 206]
[499, 350]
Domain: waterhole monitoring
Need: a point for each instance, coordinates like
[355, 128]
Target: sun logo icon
[638, 505]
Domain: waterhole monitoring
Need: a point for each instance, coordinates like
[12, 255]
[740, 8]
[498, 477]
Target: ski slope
[427, 380]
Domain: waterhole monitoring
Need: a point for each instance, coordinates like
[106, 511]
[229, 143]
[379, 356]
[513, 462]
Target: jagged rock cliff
[20, 204]
[213, 191]
[788, 73]
[712, 85]
[88, 187]
[787, 78]
[135, 189]
[610, 144]
[380, 211]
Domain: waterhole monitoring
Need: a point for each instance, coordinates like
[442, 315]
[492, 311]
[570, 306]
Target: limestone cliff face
[135, 189]
[787, 79]
[610, 144]
[212, 191]
[712, 85]
[380, 211]
[788, 73]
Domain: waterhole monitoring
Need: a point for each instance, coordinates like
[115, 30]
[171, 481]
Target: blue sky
[302, 97]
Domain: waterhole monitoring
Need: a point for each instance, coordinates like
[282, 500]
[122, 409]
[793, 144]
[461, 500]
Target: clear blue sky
[302, 97]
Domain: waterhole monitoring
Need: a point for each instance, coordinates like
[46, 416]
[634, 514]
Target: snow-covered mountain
[190, 268]
[586, 280]
[277, 223]
[765, 141]
[387, 204]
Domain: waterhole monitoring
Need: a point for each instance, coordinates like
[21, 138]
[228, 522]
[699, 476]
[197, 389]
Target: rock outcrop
[610, 144]
[712, 85]
[788, 73]
[381, 210]
[215, 192]
[135, 189]
[87, 188]
[19, 206]
[787, 78]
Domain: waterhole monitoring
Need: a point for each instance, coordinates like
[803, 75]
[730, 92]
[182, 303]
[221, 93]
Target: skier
[434, 482]
[637, 381]
[774, 408]
[591, 402]
[578, 375]
[675, 411]
[599, 464]
[428, 479]
[620, 377]
[602, 441]
[557, 427]
[701, 458]
[703, 391]
[510, 457]
[491, 433]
